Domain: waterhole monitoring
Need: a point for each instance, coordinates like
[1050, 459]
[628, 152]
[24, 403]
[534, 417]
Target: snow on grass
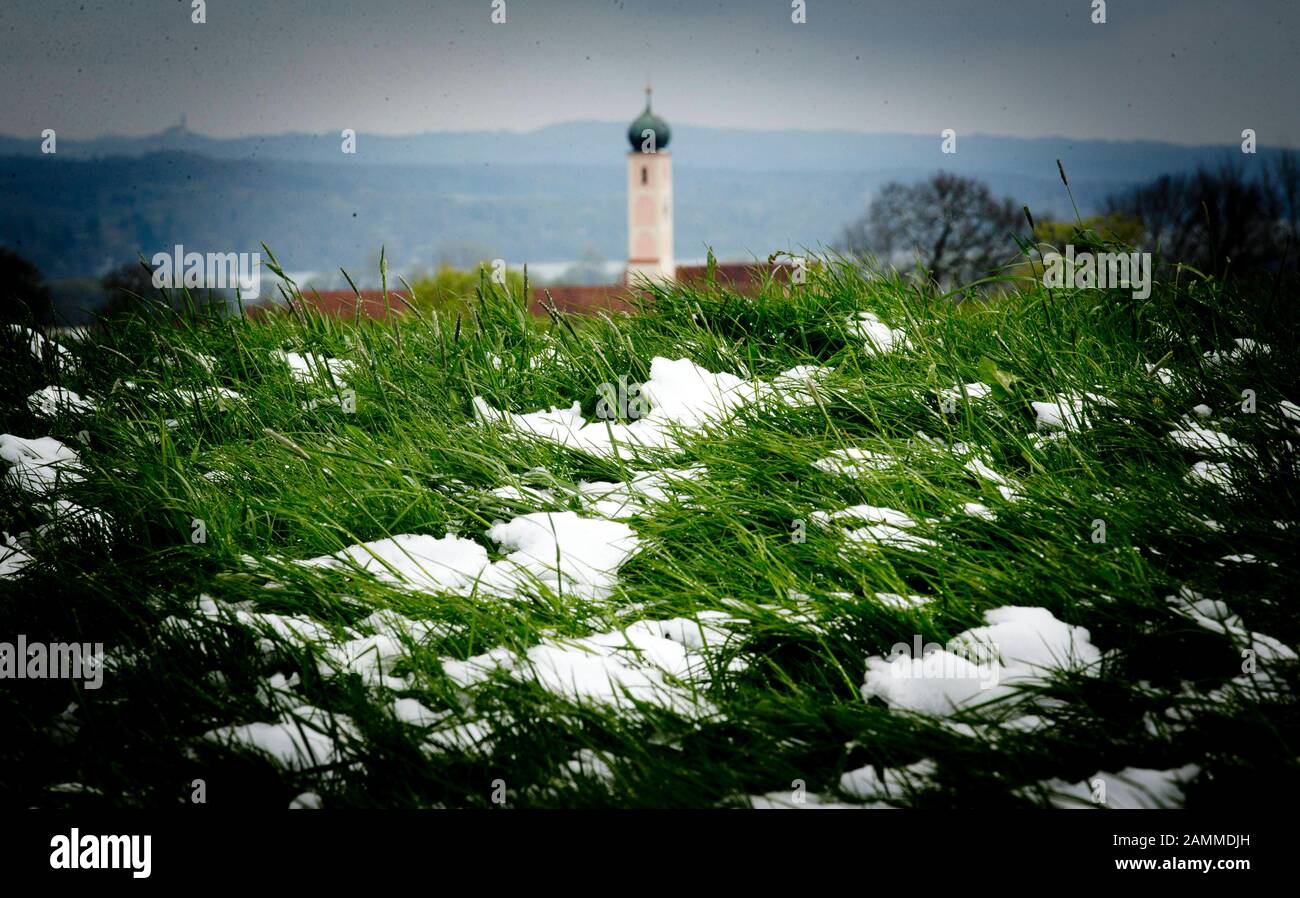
[796, 801]
[172, 360]
[603, 498]
[1214, 615]
[46, 350]
[1133, 788]
[1290, 411]
[38, 465]
[1242, 558]
[894, 784]
[1215, 473]
[311, 368]
[444, 730]
[658, 662]
[1018, 647]
[414, 561]
[566, 552]
[974, 463]
[13, 557]
[301, 738]
[887, 535]
[372, 658]
[682, 397]
[872, 514]
[1164, 375]
[306, 801]
[637, 496]
[885, 527]
[272, 628]
[878, 336]
[562, 550]
[495, 670]
[1068, 411]
[948, 399]
[1244, 347]
[1203, 439]
[50, 402]
[589, 764]
[221, 397]
[902, 602]
[862, 463]
[66, 519]
[463, 737]
[854, 462]
[1006, 487]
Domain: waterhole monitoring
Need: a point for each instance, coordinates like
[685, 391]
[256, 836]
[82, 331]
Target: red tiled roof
[742, 277]
[341, 304]
[583, 299]
[579, 299]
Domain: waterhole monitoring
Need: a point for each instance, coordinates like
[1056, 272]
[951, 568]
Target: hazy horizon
[1189, 73]
[1233, 142]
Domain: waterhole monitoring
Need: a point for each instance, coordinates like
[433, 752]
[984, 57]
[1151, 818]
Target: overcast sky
[1189, 71]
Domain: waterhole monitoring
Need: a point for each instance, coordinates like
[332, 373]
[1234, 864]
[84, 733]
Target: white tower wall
[650, 217]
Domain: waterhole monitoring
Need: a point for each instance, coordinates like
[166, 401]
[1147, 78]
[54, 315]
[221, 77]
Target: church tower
[649, 199]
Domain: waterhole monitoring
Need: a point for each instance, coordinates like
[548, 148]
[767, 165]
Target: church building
[649, 199]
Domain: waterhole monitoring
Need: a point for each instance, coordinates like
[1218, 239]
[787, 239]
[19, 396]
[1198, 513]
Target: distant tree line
[26, 297]
[1218, 220]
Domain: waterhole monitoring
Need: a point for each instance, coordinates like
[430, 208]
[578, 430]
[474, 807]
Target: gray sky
[1180, 70]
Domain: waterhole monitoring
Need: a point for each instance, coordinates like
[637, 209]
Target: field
[801, 566]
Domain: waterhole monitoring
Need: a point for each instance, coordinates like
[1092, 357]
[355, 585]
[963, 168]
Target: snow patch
[854, 462]
[45, 350]
[1133, 788]
[663, 663]
[562, 550]
[307, 368]
[894, 784]
[949, 398]
[50, 402]
[39, 465]
[885, 527]
[300, 739]
[682, 397]
[13, 558]
[1068, 411]
[1215, 473]
[878, 336]
[1018, 647]
[1203, 439]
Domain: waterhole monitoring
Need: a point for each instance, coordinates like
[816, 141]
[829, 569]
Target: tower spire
[649, 198]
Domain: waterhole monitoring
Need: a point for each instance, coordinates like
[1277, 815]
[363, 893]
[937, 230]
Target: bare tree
[24, 295]
[1212, 218]
[127, 289]
[1285, 181]
[953, 226]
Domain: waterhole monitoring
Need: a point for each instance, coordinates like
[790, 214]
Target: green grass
[784, 690]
